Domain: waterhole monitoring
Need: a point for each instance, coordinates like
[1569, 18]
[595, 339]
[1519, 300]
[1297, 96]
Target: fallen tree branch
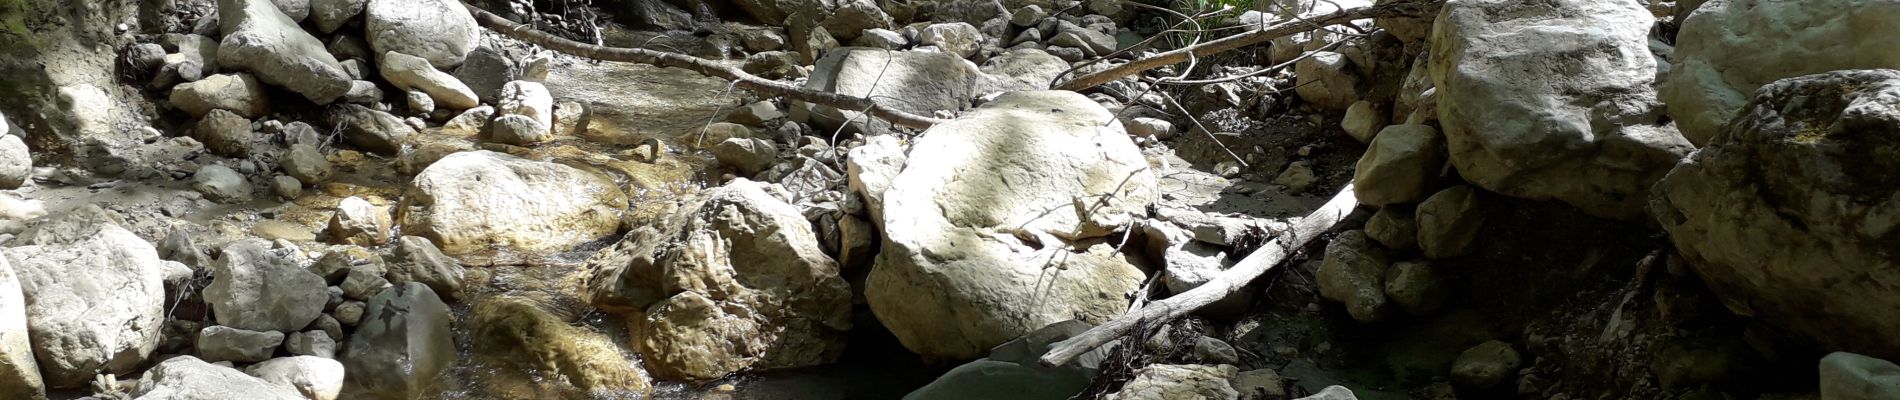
[1176, 56]
[1227, 283]
[702, 66]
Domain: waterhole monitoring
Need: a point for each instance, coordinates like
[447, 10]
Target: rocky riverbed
[382, 199]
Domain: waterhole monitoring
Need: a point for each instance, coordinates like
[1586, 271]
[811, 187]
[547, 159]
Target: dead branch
[702, 66]
[1392, 9]
[1227, 283]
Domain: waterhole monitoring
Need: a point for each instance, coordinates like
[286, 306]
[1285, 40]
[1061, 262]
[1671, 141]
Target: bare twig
[1228, 282]
[1393, 9]
[702, 66]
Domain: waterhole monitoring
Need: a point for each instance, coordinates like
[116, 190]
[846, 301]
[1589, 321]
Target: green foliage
[13, 16]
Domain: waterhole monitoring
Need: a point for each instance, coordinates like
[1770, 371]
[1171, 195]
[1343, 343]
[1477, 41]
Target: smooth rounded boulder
[1553, 101]
[1790, 216]
[253, 288]
[260, 39]
[441, 31]
[990, 234]
[481, 200]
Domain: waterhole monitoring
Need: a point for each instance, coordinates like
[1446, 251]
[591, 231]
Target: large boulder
[994, 232]
[255, 289]
[260, 39]
[95, 300]
[19, 374]
[441, 31]
[1728, 48]
[912, 81]
[479, 200]
[737, 281]
[1790, 215]
[1021, 69]
[189, 378]
[400, 347]
[1553, 101]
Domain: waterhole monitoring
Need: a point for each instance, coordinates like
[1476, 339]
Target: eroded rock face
[94, 300]
[916, 82]
[1553, 100]
[441, 31]
[736, 282]
[987, 234]
[1727, 49]
[478, 200]
[260, 39]
[1790, 215]
[19, 374]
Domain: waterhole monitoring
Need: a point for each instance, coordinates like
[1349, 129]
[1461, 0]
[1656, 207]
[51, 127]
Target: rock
[286, 188]
[310, 343]
[1152, 128]
[774, 65]
[237, 93]
[363, 282]
[1416, 287]
[1784, 216]
[746, 155]
[400, 347]
[1259, 384]
[1728, 49]
[262, 40]
[331, 14]
[225, 133]
[552, 207]
[957, 38]
[19, 373]
[1164, 381]
[518, 130]
[412, 73]
[1028, 16]
[470, 122]
[1353, 274]
[16, 161]
[223, 343]
[1849, 376]
[94, 296]
[221, 184]
[756, 114]
[485, 71]
[351, 312]
[1448, 222]
[809, 41]
[1297, 177]
[1363, 121]
[189, 378]
[879, 38]
[1188, 264]
[515, 328]
[357, 222]
[363, 92]
[1334, 392]
[872, 168]
[415, 259]
[439, 31]
[305, 163]
[762, 40]
[317, 378]
[1012, 370]
[1599, 156]
[1395, 226]
[527, 99]
[800, 306]
[1327, 81]
[142, 59]
[254, 289]
[1021, 69]
[916, 82]
[1402, 165]
[419, 103]
[192, 47]
[1092, 42]
[297, 10]
[1486, 365]
[937, 212]
[852, 17]
[374, 131]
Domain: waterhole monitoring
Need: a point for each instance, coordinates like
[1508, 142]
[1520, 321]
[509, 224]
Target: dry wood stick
[1227, 283]
[702, 66]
